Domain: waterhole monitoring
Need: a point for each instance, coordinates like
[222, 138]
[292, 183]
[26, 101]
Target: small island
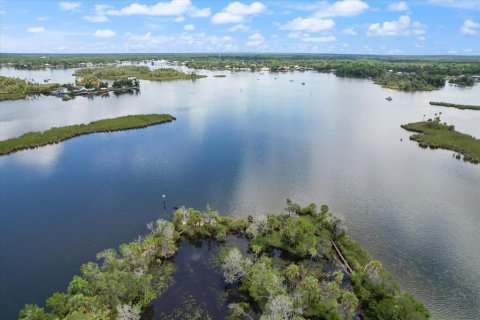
[140, 72]
[55, 135]
[453, 105]
[320, 273]
[435, 134]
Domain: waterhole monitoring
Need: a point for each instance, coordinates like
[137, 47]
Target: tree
[280, 308]
[34, 312]
[127, 312]
[233, 266]
[292, 272]
[348, 305]
[310, 290]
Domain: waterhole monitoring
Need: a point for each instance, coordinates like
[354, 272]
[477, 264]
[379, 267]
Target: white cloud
[200, 13]
[319, 39]
[343, 8]
[236, 12]
[189, 27]
[36, 29]
[179, 19]
[400, 27]
[255, 40]
[460, 4]
[470, 27]
[69, 6]
[148, 38]
[97, 19]
[398, 6]
[171, 8]
[309, 24]
[43, 18]
[349, 32]
[239, 27]
[104, 33]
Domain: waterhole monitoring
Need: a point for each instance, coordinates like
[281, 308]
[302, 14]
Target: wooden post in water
[164, 202]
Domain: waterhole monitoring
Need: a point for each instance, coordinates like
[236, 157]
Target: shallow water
[243, 144]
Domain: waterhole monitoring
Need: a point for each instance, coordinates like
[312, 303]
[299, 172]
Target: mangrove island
[321, 272]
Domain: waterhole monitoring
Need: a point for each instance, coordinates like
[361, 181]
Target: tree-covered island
[294, 285]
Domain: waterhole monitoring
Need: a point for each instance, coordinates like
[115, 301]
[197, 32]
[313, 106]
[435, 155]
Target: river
[243, 144]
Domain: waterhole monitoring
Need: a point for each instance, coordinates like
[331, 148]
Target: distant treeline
[398, 72]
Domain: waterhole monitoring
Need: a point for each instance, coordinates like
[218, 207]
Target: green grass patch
[433, 134]
[56, 135]
[453, 105]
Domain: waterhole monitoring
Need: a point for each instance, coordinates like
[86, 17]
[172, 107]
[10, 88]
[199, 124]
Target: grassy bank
[16, 88]
[453, 105]
[56, 135]
[293, 285]
[144, 73]
[434, 134]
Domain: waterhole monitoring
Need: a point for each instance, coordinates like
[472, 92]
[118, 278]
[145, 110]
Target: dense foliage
[56, 135]
[435, 134]
[463, 81]
[120, 285]
[298, 287]
[16, 88]
[141, 72]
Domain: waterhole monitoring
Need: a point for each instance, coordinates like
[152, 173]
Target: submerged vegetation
[435, 134]
[321, 274]
[453, 105]
[140, 72]
[56, 135]
[16, 88]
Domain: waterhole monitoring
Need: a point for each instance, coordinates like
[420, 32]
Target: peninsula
[55, 135]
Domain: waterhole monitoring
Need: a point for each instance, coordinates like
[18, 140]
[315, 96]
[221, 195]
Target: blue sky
[345, 26]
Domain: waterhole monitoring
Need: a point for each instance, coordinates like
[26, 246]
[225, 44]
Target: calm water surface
[243, 144]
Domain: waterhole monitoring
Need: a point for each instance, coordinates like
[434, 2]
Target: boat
[389, 98]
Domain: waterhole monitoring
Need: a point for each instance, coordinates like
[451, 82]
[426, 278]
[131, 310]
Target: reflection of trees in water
[130, 92]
